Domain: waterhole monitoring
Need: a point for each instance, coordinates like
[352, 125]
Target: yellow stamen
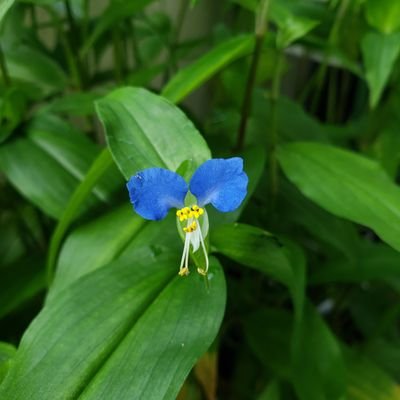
[193, 212]
[190, 228]
[183, 271]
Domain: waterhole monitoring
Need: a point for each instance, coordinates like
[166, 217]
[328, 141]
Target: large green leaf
[96, 244]
[129, 330]
[258, 249]
[7, 352]
[145, 130]
[346, 184]
[379, 53]
[192, 76]
[383, 15]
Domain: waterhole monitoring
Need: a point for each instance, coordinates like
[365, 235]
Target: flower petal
[221, 182]
[154, 191]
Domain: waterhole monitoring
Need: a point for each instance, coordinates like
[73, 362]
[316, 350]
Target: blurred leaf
[291, 26]
[271, 392]
[7, 352]
[334, 232]
[39, 178]
[80, 104]
[366, 381]
[12, 109]
[31, 65]
[346, 184]
[112, 15]
[192, 76]
[383, 15]
[385, 354]
[206, 372]
[374, 262]
[129, 330]
[20, 282]
[386, 149]
[379, 54]
[4, 6]
[268, 332]
[317, 362]
[132, 119]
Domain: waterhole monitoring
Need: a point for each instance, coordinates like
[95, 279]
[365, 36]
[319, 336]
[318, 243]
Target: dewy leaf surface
[145, 130]
[346, 184]
[127, 330]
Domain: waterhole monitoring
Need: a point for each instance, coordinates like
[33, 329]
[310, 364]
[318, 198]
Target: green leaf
[145, 130]
[318, 370]
[271, 392]
[7, 352]
[268, 332]
[334, 232]
[4, 6]
[96, 244]
[366, 381]
[99, 167]
[258, 249]
[130, 330]
[12, 109]
[80, 104]
[20, 281]
[30, 65]
[112, 15]
[291, 26]
[192, 76]
[373, 262]
[383, 15]
[379, 54]
[346, 184]
[39, 178]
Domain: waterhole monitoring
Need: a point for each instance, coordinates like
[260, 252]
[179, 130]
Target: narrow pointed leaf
[347, 185]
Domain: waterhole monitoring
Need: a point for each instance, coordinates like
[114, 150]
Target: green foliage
[301, 301]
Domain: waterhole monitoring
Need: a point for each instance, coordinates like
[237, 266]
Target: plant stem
[260, 29]
[4, 69]
[137, 59]
[73, 64]
[118, 55]
[322, 70]
[275, 93]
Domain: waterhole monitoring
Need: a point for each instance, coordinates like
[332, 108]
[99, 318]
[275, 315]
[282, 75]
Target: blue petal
[154, 191]
[221, 182]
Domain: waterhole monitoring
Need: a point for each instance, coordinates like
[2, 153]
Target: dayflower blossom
[219, 182]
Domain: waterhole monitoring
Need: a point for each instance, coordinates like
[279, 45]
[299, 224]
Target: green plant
[301, 299]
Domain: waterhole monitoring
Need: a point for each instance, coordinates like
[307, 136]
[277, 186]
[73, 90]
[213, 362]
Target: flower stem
[260, 30]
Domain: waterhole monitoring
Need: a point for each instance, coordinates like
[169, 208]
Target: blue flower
[219, 182]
